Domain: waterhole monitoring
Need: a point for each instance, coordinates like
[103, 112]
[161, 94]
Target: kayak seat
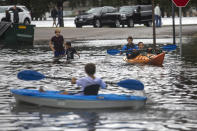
[91, 89]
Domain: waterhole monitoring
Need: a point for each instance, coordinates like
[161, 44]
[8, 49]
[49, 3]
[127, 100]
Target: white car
[24, 14]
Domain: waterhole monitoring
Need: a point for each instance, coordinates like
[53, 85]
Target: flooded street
[171, 89]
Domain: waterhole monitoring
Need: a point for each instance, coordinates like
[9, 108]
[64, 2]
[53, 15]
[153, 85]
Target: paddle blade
[30, 75]
[169, 47]
[131, 84]
[113, 52]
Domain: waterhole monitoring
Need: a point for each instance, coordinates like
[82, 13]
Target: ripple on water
[171, 91]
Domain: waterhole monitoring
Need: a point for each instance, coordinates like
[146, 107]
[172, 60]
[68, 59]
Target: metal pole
[173, 24]
[62, 22]
[153, 19]
[180, 32]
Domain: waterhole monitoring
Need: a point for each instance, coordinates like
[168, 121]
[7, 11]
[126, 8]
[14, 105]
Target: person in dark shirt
[60, 17]
[54, 16]
[16, 16]
[57, 44]
[70, 51]
[7, 16]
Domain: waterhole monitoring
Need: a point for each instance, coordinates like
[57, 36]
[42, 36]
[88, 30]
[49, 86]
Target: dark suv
[98, 17]
[139, 14]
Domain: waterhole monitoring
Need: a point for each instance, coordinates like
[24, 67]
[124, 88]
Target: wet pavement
[171, 89]
[43, 35]
[69, 22]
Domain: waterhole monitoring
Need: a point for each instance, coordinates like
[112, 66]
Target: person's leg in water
[57, 56]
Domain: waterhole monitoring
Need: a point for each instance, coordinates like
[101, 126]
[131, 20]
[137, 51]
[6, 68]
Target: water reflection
[190, 52]
[70, 119]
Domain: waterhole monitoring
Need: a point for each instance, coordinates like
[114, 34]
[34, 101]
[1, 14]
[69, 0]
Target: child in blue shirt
[129, 47]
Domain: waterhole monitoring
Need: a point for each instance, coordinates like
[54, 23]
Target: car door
[111, 16]
[146, 14]
[20, 14]
[104, 17]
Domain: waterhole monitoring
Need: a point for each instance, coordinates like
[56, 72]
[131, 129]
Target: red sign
[181, 3]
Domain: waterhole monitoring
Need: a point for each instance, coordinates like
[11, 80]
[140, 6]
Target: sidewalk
[43, 35]
[69, 22]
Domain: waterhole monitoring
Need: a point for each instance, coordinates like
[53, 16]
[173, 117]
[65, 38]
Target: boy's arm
[51, 46]
[103, 84]
[64, 45]
[77, 53]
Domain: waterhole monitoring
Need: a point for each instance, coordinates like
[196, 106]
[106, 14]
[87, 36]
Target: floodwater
[171, 90]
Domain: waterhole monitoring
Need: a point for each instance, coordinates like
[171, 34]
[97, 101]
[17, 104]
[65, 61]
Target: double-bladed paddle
[29, 75]
[165, 48]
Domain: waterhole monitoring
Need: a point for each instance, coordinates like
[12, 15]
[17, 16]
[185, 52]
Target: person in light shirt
[89, 80]
[157, 16]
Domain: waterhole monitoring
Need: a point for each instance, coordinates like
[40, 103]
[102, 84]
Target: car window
[104, 10]
[110, 10]
[146, 8]
[94, 10]
[2, 9]
[25, 8]
[11, 9]
[19, 9]
[126, 9]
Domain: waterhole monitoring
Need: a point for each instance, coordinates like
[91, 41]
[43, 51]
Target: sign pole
[153, 19]
[173, 24]
[180, 4]
[180, 32]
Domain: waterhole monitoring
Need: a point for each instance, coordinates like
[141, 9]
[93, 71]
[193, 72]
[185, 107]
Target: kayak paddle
[165, 48]
[169, 47]
[113, 52]
[29, 75]
[131, 84]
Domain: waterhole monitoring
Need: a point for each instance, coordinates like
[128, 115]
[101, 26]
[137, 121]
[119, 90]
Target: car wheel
[78, 26]
[149, 23]
[117, 23]
[97, 23]
[3, 19]
[26, 22]
[130, 23]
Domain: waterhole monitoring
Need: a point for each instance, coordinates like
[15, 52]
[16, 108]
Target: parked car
[98, 17]
[24, 14]
[139, 14]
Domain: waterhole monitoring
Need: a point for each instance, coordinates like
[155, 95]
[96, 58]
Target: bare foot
[41, 89]
[64, 93]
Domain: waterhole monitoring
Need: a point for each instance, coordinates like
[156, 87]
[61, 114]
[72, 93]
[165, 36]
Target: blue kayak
[55, 99]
